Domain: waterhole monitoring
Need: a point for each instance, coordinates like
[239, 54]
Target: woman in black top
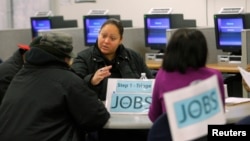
[109, 59]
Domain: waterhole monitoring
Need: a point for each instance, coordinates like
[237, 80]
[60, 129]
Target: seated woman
[184, 62]
[109, 59]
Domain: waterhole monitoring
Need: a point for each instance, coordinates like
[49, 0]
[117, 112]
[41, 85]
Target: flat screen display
[228, 30]
[155, 30]
[40, 24]
[92, 25]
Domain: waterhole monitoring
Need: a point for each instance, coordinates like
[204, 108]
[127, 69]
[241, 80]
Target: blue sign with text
[197, 108]
[134, 86]
[130, 102]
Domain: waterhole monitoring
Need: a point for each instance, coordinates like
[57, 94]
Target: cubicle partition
[133, 38]
[209, 34]
[76, 33]
[9, 40]
[245, 50]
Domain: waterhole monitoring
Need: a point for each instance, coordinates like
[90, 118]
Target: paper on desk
[245, 75]
[236, 100]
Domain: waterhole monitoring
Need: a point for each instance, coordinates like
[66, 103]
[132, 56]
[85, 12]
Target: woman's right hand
[100, 74]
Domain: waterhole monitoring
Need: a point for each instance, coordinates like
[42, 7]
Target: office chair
[160, 130]
[244, 121]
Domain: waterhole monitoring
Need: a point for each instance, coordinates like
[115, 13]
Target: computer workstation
[227, 33]
[155, 26]
[48, 23]
[228, 28]
[226, 51]
[92, 25]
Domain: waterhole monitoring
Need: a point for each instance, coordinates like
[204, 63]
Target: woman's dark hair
[115, 22]
[187, 48]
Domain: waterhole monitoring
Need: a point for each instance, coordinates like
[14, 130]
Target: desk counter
[153, 64]
[128, 121]
[222, 68]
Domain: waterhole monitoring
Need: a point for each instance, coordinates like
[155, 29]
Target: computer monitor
[50, 22]
[155, 26]
[92, 25]
[39, 23]
[228, 29]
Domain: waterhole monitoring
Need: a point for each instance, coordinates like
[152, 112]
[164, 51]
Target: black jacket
[8, 70]
[128, 63]
[46, 101]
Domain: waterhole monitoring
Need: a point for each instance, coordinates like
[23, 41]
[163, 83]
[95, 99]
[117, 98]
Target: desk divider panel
[132, 38]
[209, 34]
[9, 39]
[245, 52]
[76, 33]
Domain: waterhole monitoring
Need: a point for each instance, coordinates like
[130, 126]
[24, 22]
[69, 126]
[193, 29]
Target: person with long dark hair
[184, 63]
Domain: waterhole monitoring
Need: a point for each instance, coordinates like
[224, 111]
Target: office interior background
[15, 13]
[15, 19]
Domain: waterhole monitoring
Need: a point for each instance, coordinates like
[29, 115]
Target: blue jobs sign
[197, 108]
[194, 107]
[129, 96]
[130, 102]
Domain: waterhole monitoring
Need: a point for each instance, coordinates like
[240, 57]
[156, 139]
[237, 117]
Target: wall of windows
[16, 13]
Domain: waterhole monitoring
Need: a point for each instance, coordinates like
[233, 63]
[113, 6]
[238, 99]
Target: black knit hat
[58, 44]
[35, 41]
[24, 47]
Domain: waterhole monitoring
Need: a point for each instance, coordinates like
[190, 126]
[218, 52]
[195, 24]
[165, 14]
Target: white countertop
[128, 121]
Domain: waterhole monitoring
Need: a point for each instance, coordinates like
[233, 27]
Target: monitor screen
[39, 23]
[228, 32]
[92, 25]
[155, 27]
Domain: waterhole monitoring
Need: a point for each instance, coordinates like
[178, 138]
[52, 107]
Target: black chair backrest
[160, 130]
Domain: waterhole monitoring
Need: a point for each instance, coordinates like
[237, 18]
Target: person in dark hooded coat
[46, 100]
[12, 65]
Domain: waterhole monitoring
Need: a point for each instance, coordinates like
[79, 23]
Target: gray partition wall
[209, 34]
[76, 33]
[9, 40]
[245, 50]
[133, 38]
